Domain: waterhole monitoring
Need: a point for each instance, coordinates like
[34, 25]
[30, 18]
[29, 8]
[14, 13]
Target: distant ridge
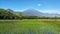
[33, 12]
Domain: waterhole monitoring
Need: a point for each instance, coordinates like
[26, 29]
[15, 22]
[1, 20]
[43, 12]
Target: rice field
[30, 26]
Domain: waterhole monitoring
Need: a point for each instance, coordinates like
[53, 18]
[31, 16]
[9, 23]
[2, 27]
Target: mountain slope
[33, 12]
[20, 14]
[6, 14]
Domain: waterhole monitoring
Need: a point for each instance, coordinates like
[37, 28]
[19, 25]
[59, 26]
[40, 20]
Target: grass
[31, 26]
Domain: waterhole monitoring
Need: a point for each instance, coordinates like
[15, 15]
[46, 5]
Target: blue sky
[46, 6]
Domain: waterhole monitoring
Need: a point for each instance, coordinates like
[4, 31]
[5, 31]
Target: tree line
[9, 14]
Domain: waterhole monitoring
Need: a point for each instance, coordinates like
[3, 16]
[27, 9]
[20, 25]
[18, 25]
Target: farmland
[30, 26]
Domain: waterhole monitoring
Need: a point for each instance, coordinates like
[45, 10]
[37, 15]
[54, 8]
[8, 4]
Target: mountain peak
[33, 12]
[31, 9]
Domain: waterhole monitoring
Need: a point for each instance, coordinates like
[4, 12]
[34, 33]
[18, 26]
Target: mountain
[33, 12]
[7, 14]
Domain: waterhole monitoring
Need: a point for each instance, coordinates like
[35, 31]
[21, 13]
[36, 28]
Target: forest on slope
[11, 14]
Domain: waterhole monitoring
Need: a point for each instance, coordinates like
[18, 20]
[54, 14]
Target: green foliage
[7, 14]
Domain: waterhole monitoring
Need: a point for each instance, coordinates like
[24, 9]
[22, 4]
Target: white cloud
[38, 4]
[50, 11]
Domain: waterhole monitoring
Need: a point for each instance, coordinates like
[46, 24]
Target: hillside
[19, 13]
[7, 14]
